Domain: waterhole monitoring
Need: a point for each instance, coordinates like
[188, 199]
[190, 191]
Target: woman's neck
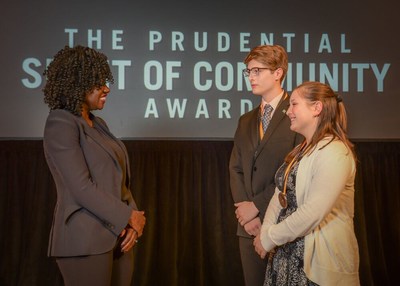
[86, 115]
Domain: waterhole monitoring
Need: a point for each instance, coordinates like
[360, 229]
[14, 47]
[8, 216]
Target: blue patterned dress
[285, 266]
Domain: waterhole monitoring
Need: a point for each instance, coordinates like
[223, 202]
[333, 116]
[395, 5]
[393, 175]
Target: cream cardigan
[325, 198]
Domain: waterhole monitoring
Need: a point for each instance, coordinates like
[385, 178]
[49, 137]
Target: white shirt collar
[274, 103]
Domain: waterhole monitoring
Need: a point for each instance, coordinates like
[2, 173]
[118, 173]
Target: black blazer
[93, 204]
[253, 163]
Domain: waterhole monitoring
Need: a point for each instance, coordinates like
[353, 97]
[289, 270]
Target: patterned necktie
[266, 117]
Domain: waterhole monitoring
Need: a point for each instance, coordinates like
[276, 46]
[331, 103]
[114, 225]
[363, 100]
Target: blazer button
[255, 169]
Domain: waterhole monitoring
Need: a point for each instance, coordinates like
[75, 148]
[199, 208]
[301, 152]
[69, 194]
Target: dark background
[189, 238]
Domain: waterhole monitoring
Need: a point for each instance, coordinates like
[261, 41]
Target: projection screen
[178, 64]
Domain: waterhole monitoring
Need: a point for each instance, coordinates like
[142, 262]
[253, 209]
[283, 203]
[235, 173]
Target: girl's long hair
[332, 119]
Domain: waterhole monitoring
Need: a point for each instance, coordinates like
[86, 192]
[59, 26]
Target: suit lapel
[100, 124]
[279, 114]
[97, 137]
[254, 128]
[277, 117]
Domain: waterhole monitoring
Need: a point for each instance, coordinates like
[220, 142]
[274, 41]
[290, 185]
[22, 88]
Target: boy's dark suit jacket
[93, 204]
[253, 163]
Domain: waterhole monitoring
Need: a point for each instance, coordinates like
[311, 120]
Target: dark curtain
[189, 239]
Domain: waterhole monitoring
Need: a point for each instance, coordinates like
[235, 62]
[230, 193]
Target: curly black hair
[72, 74]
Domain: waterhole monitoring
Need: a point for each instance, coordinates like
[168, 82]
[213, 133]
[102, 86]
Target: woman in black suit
[96, 221]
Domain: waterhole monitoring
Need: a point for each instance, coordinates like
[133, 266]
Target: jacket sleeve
[270, 218]
[328, 174]
[236, 173]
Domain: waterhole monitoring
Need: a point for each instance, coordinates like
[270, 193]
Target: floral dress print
[285, 263]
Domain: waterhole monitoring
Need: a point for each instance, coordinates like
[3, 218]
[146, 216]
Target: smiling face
[303, 114]
[96, 99]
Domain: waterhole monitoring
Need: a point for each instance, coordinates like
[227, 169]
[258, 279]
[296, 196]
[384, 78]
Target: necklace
[282, 195]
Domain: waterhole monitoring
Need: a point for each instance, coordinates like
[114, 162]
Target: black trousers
[253, 266]
[100, 270]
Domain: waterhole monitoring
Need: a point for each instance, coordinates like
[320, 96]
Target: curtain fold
[189, 238]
